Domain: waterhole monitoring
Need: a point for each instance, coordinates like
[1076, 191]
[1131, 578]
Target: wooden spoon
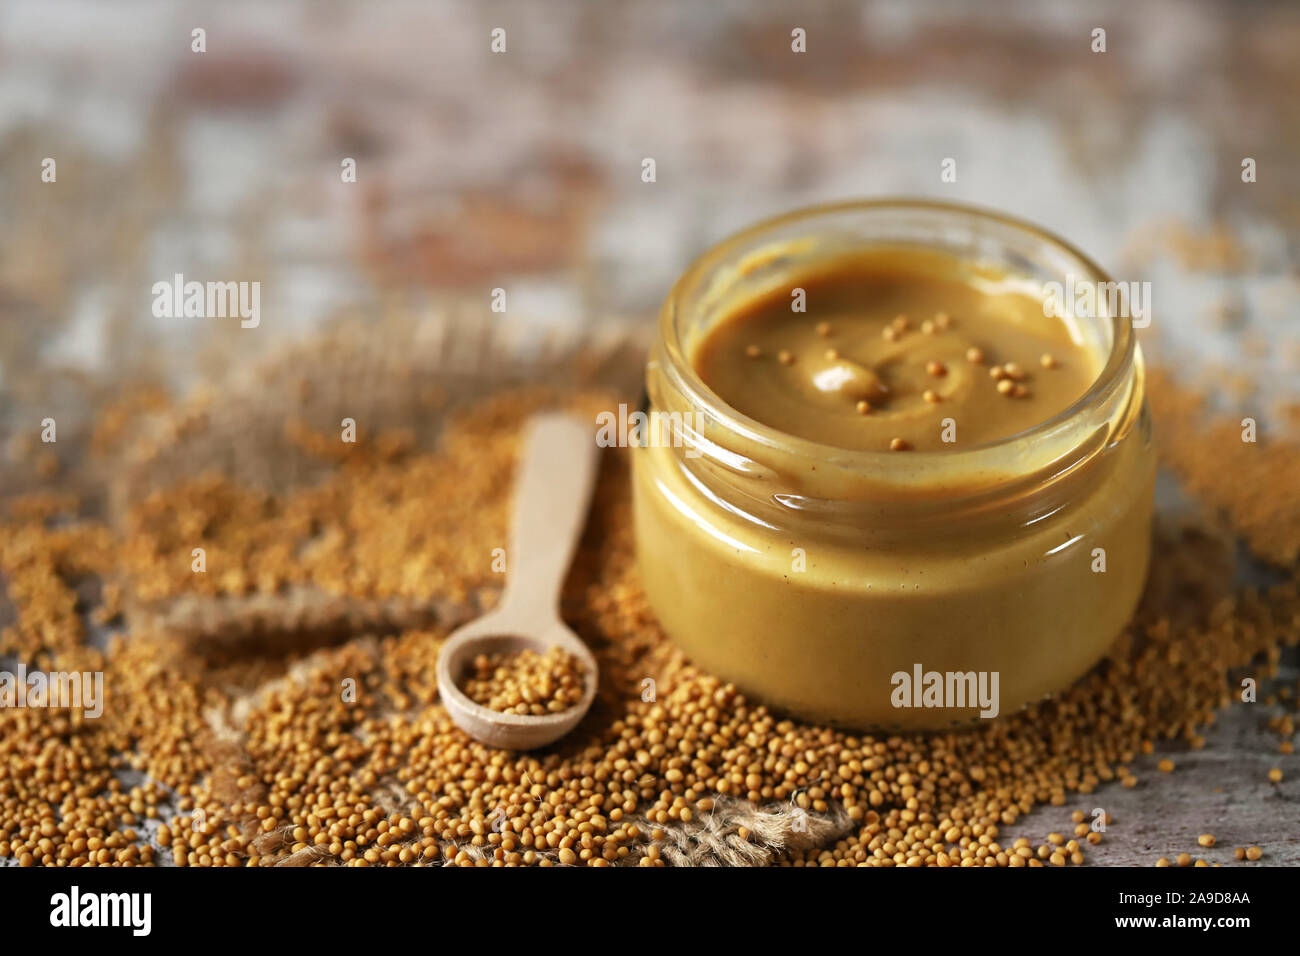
[551, 496]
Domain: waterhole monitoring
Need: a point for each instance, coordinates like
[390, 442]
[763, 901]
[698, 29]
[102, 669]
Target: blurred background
[523, 169]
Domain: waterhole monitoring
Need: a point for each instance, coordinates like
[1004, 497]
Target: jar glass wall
[811, 575]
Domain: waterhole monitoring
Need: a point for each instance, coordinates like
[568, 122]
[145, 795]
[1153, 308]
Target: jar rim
[681, 371]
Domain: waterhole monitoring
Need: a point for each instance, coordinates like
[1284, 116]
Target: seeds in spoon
[525, 682]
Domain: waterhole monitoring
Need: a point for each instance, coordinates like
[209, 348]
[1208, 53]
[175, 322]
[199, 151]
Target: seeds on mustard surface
[936, 368]
[823, 329]
[1047, 360]
[1006, 386]
[942, 320]
[900, 444]
[753, 351]
[931, 396]
[785, 357]
[975, 355]
[863, 407]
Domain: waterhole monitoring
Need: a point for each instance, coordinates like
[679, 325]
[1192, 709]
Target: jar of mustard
[895, 478]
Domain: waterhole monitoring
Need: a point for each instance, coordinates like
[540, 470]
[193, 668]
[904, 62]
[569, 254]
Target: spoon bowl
[492, 727]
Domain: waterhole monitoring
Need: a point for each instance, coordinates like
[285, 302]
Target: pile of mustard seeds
[339, 753]
[1251, 482]
[386, 523]
[525, 682]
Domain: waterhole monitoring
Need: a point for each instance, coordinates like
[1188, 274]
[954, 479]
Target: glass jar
[837, 585]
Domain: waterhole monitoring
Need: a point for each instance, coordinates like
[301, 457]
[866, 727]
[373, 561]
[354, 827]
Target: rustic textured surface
[523, 171]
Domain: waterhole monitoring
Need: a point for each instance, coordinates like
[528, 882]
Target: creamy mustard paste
[875, 349]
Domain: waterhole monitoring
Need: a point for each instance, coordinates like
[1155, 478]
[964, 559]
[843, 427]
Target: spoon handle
[552, 491]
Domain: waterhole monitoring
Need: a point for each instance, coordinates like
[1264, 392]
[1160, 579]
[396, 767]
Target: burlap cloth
[407, 373]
